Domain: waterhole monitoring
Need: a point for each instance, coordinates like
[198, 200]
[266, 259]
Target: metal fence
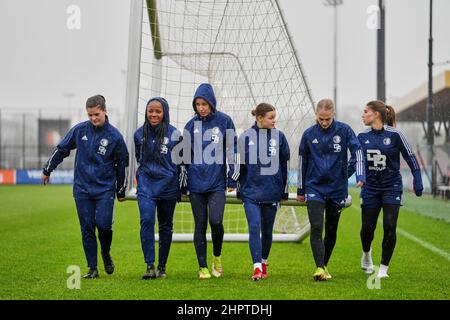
[27, 136]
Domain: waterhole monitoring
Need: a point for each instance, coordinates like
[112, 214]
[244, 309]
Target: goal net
[244, 50]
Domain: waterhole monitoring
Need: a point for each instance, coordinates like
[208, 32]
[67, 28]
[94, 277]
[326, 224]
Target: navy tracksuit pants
[260, 218]
[148, 209]
[95, 213]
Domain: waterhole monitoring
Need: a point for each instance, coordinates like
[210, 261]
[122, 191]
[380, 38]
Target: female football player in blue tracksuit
[263, 182]
[323, 179]
[213, 143]
[99, 175]
[382, 145]
[158, 186]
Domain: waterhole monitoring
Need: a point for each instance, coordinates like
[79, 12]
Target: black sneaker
[161, 272]
[151, 272]
[92, 274]
[108, 262]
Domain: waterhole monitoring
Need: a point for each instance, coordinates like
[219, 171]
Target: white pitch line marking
[424, 244]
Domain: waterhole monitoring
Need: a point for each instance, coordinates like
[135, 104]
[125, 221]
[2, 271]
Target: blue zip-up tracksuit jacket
[157, 176]
[204, 175]
[258, 186]
[323, 163]
[100, 160]
[381, 150]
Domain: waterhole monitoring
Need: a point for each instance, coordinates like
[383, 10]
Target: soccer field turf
[40, 237]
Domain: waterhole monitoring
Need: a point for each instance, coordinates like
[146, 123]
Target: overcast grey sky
[407, 23]
[42, 62]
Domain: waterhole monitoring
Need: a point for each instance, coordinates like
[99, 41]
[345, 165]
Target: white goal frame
[132, 102]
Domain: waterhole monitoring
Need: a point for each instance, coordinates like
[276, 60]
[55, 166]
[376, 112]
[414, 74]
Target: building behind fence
[28, 136]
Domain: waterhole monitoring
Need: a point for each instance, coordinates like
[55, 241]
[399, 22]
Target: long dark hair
[160, 134]
[387, 113]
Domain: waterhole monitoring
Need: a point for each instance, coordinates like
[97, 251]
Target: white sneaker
[382, 275]
[366, 262]
[382, 272]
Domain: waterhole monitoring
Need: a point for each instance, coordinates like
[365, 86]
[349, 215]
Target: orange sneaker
[257, 274]
[264, 271]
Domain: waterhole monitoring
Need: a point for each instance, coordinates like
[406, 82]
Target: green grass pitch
[40, 237]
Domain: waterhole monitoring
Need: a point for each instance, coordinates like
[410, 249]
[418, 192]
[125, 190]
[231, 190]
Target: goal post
[244, 50]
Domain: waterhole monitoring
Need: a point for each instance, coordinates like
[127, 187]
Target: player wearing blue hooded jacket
[213, 144]
[382, 145]
[263, 182]
[99, 174]
[158, 184]
[323, 178]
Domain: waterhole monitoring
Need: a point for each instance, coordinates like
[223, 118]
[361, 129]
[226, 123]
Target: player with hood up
[213, 168]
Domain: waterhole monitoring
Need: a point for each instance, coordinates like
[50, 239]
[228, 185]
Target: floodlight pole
[334, 4]
[429, 112]
[381, 78]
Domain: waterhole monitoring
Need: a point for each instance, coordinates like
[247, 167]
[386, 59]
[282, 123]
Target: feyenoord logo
[215, 136]
[164, 148]
[104, 142]
[336, 145]
[272, 147]
[102, 147]
[386, 141]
